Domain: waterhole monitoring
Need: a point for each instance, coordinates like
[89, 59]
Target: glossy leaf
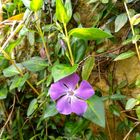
[35, 64]
[19, 81]
[125, 55]
[120, 21]
[95, 112]
[89, 33]
[87, 67]
[60, 71]
[117, 97]
[135, 20]
[3, 62]
[138, 112]
[135, 38]
[32, 107]
[3, 93]
[50, 111]
[36, 5]
[79, 47]
[130, 104]
[13, 44]
[61, 13]
[68, 7]
[12, 71]
[104, 1]
[137, 83]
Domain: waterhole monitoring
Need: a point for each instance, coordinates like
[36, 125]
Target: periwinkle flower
[70, 99]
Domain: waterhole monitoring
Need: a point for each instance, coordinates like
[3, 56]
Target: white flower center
[71, 92]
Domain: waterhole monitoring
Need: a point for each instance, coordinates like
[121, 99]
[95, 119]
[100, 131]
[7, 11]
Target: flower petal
[85, 90]
[70, 81]
[64, 106]
[78, 106]
[57, 90]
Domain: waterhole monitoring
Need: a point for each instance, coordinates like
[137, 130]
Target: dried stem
[108, 128]
[136, 124]
[9, 117]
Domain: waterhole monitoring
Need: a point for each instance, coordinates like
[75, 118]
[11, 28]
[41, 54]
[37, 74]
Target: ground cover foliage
[44, 42]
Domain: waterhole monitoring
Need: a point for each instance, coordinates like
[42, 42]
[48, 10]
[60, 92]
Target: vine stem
[132, 29]
[21, 73]
[42, 37]
[68, 43]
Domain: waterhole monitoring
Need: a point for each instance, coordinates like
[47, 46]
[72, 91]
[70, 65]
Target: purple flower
[68, 99]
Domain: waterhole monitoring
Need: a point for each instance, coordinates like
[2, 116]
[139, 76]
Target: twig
[18, 28]
[132, 29]
[9, 117]
[109, 133]
[137, 123]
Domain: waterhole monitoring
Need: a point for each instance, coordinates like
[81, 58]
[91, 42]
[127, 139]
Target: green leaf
[114, 110]
[12, 71]
[129, 1]
[125, 55]
[32, 107]
[19, 81]
[87, 68]
[130, 103]
[31, 37]
[104, 1]
[89, 33]
[3, 62]
[60, 71]
[61, 13]
[135, 38]
[122, 84]
[120, 21]
[117, 97]
[78, 126]
[79, 47]
[137, 136]
[3, 93]
[95, 112]
[35, 64]
[13, 44]
[135, 20]
[92, 1]
[68, 7]
[137, 83]
[138, 112]
[50, 111]
[36, 5]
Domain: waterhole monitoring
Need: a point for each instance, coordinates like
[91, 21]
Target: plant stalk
[132, 29]
[21, 73]
[68, 44]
